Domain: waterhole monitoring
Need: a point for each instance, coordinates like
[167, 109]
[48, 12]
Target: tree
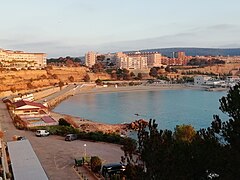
[13, 89]
[96, 164]
[98, 82]
[98, 67]
[86, 78]
[230, 130]
[63, 122]
[184, 133]
[30, 86]
[71, 79]
[188, 155]
[129, 147]
[132, 74]
[100, 58]
[140, 76]
[55, 76]
[153, 72]
[61, 84]
[114, 76]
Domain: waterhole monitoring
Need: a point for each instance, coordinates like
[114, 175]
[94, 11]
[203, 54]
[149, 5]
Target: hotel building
[153, 58]
[90, 59]
[132, 63]
[138, 60]
[19, 59]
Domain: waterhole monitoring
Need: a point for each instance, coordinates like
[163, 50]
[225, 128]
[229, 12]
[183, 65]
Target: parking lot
[56, 155]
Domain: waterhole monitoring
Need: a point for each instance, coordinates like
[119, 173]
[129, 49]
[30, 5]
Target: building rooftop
[25, 164]
[30, 103]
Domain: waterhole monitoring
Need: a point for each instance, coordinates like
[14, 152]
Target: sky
[73, 27]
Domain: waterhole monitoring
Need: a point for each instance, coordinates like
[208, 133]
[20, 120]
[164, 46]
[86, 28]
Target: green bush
[62, 130]
[96, 164]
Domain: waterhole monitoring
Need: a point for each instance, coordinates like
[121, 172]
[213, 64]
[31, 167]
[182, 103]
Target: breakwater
[58, 99]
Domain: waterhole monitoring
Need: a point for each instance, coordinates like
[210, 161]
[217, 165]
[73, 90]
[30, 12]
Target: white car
[40, 133]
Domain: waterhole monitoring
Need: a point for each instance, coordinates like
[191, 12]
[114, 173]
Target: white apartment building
[154, 59]
[132, 62]
[138, 60]
[19, 59]
[90, 59]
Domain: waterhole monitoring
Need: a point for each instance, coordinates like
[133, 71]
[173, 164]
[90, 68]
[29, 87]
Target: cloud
[222, 27]
[219, 35]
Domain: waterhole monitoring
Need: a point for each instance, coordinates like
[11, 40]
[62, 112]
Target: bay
[168, 107]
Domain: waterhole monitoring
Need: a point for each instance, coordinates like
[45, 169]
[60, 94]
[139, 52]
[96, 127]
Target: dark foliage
[96, 164]
[204, 62]
[160, 154]
[63, 122]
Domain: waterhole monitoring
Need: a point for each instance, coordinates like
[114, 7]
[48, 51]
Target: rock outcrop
[136, 124]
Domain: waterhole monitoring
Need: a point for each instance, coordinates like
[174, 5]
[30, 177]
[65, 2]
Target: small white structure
[232, 79]
[201, 80]
[27, 97]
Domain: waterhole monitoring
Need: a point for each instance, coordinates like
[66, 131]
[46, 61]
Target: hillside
[197, 51]
[32, 79]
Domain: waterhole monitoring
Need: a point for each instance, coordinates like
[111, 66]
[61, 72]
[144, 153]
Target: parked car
[110, 169]
[40, 133]
[71, 137]
[20, 138]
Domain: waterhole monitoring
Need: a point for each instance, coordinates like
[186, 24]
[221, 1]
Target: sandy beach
[158, 87]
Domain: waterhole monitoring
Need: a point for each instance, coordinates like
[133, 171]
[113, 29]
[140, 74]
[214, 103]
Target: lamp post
[85, 150]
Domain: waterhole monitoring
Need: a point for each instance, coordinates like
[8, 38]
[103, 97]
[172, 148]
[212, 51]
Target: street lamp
[85, 150]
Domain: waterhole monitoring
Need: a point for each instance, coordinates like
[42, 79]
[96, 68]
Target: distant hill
[197, 51]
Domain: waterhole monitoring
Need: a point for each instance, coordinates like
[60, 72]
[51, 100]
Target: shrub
[43, 76]
[62, 130]
[55, 76]
[96, 164]
[13, 89]
[30, 86]
[63, 122]
[87, 78]
[98, 82]
[131, 84]
[71, 79]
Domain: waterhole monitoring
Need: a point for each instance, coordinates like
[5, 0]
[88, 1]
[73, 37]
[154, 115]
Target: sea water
[168, 107]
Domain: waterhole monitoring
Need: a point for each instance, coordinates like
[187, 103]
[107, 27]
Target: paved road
[57, 94]
[55, 154]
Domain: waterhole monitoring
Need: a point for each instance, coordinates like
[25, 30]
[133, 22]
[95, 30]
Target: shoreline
[122, 129]
[87, 125]
[101, 89]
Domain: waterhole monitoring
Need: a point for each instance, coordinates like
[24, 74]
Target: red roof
[30, 103]
[48, 119]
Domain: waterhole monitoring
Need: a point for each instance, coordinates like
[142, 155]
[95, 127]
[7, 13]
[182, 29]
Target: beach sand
[111, 89]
